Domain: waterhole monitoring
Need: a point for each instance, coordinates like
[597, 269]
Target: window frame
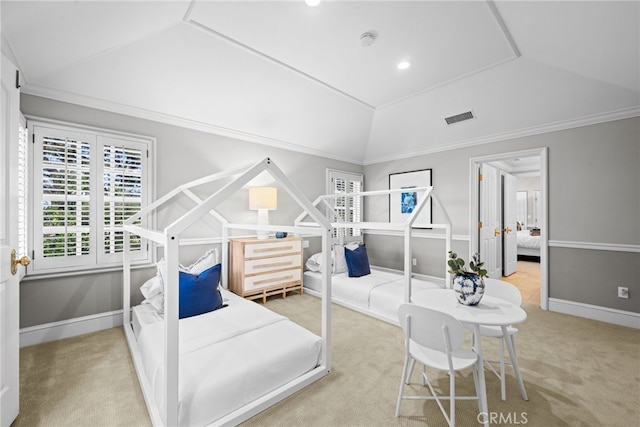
[97, 260]
[347, 234]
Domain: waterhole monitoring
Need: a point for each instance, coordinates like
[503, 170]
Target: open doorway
[521, 206]
[496, 216]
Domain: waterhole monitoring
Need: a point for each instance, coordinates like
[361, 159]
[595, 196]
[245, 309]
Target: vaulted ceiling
[298, 77]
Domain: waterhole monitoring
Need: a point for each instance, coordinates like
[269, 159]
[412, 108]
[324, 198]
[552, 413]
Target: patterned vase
[469, 288]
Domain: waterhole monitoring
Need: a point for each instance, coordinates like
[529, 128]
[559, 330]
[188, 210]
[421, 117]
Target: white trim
[616, 247]
[69, 328]
[594, 119]
[594, 312]
[114, 107]
[474, 163]
[417, 233]
[183, 122]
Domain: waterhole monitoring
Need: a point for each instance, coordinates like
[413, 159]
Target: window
[348, 208]
[85, 183]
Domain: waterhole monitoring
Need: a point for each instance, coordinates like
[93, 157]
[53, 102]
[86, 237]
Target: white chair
[508, 292]
[434, 339]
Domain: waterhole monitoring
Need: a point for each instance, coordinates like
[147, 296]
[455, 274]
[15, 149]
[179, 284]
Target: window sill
[40, 276]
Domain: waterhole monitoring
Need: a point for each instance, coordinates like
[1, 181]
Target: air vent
[459, 118]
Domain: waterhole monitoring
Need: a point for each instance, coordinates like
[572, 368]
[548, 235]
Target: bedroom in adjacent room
[528, 212]
[510, 220]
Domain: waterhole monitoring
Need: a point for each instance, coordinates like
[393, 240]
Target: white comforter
[381, 292]
[228, 358]
[526, 240]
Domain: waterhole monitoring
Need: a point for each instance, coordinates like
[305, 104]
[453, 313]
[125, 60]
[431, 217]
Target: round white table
[490, 311]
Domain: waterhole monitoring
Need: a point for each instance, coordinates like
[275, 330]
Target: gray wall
[181, 155]
[594, 197]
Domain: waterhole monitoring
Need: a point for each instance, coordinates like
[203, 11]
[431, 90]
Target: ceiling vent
[459, 118]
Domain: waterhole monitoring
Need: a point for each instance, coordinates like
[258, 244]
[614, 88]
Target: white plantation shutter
[63, 198]
[348, 208]
[122, 195]
[85, 185]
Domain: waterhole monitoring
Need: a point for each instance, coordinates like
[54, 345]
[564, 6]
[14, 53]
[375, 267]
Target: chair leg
[474, 370]
[452, 399]
[402, 382]
[514, 362]
[503, 386]
[408, 377]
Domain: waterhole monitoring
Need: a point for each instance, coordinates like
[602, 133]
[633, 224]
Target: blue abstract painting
[408, 201]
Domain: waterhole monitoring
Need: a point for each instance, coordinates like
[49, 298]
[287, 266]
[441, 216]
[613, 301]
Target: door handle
[25, 260]
[496, 232]
[507, 230]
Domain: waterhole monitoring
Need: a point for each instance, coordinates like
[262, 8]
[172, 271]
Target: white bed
[228, 357]
[528, 245]
[378, 294]
[217, 367]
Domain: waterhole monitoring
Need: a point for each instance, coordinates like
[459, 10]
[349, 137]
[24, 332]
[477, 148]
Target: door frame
[9, 281]
[474, 199]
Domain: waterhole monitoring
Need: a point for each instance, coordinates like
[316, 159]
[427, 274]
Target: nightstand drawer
[262, 268]
[272, 248]
[263, 265]
[271, 279]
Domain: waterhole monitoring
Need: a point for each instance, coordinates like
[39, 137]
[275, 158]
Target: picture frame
[401, 204]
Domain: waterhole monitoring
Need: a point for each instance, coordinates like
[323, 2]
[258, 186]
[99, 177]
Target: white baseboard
[603, 314]
[69, 328]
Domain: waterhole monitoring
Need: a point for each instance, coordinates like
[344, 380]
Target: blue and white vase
[469, 288]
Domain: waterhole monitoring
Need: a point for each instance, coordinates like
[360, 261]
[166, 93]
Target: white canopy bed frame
[405, 229]
[170, 239]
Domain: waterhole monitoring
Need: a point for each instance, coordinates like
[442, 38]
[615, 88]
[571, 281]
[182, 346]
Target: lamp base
[263, 219]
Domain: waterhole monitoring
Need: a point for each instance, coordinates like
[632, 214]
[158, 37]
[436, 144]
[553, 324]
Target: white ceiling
[293, 76]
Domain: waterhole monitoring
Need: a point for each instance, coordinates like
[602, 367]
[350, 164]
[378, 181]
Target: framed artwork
[401, 205]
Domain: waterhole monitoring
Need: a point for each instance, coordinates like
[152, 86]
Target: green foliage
[457, 265]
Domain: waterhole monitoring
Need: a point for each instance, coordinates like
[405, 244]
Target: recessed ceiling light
[403, 65]
[312, 3]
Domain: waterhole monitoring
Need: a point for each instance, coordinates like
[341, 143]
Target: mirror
[521, 208]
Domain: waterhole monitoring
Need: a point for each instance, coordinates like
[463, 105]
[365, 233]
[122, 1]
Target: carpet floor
[577, 372]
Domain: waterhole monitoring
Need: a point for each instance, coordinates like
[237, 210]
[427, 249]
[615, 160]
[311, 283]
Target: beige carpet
[577, 373]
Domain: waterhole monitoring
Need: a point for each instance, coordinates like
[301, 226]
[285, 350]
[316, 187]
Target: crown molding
[113, 107]
[611, 116]
[141, 113]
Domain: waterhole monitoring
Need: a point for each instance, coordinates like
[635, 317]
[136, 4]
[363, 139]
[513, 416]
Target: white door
[509, 226]
[489, 226]
[9, 291]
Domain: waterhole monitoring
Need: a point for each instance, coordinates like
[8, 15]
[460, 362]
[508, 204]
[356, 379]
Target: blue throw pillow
[199, 293]
[357, 261]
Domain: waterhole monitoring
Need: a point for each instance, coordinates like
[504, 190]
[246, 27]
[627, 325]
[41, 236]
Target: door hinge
[479, 177]
[479, 224]
[33, 138]
[33, 254]
[17, 79]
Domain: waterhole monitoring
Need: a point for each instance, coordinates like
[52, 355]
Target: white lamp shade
[263, 198]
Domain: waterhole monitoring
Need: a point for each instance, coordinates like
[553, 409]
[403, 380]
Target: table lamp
[263, 200]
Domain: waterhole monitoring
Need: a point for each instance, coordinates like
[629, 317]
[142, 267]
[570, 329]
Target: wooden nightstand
[260, 268]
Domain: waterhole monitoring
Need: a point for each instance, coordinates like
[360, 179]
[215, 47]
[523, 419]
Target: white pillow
[151, 287]
[205, 262]
[339, 260]
[157, 302]
[314, 263]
